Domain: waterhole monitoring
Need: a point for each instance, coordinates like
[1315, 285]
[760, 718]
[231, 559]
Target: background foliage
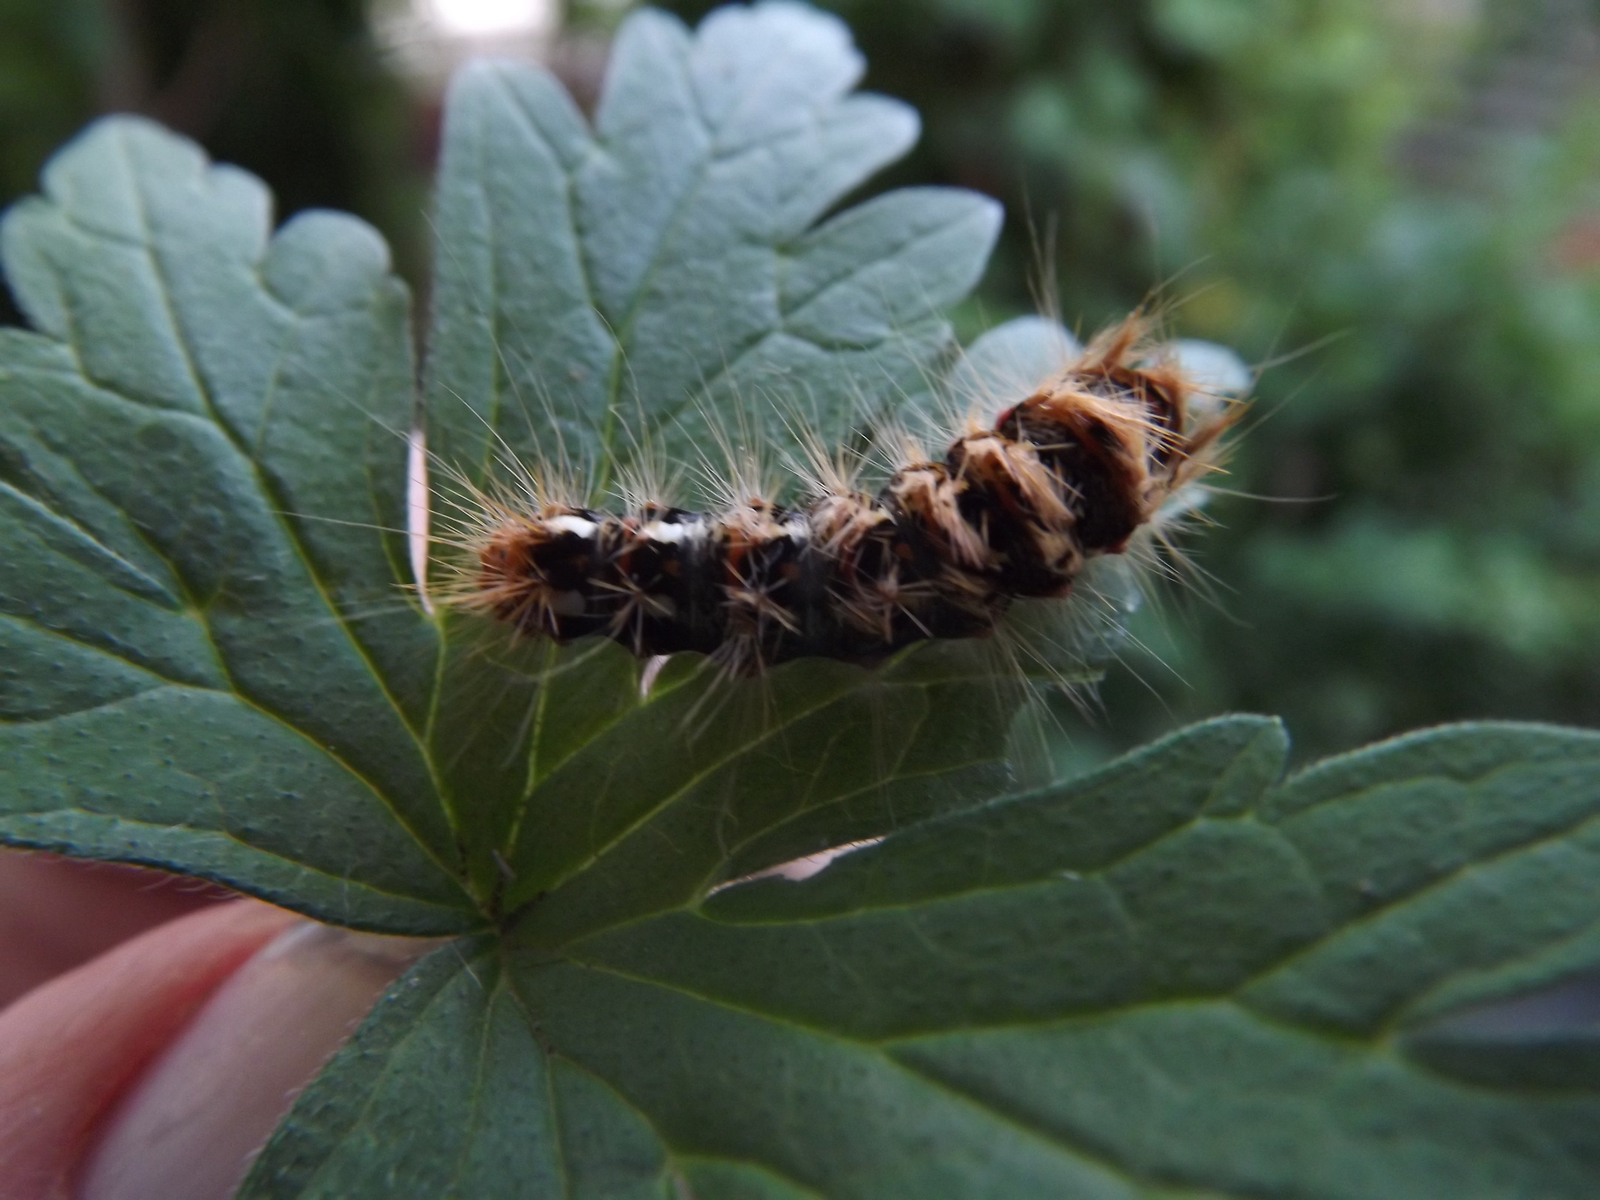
[1397, 198]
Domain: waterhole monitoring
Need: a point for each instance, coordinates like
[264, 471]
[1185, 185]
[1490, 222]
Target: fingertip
[58, 913]
[71, 1045]
[189, 1127]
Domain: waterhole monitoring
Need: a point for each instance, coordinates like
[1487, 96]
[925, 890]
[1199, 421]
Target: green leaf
[213, 658]
[602, 297]
[1177, 974]
[622, 285]
[1180, 975]
[482, 1128]
[204, 668]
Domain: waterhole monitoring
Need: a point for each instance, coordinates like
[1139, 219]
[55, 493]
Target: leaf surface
[613, 298]
[1148, 981]
[626, 286]
[209, 664]
[214, 657]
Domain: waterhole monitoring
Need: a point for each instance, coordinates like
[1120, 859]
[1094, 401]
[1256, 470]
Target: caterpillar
[1013, 509]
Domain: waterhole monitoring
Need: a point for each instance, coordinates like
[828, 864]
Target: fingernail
[189, 1127]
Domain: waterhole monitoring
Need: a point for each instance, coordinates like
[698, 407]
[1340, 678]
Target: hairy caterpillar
[1013, 509]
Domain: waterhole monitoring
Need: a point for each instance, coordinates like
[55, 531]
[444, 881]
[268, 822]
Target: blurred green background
[1391, 205]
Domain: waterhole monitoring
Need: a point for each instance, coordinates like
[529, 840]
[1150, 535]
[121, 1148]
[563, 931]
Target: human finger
[189, 1127]
[71, 1046]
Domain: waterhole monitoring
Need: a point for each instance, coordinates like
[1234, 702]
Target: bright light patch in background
[426, 40]
[490, 18]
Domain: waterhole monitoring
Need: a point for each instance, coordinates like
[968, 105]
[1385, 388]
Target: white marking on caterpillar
[577, 526]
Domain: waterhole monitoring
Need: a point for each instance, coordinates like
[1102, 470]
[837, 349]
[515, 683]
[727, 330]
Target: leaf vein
[276, 508]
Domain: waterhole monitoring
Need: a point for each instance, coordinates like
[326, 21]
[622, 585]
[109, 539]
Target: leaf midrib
[732, 752]
[1234, 994]
[276, 510]
[881, 1050]
[221, 878]
[375, 1090]
[1438, 882]
[154, 587]
[620, 330]
[159, 680]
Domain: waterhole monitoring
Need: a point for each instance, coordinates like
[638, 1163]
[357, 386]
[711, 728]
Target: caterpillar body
[1014, 508]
